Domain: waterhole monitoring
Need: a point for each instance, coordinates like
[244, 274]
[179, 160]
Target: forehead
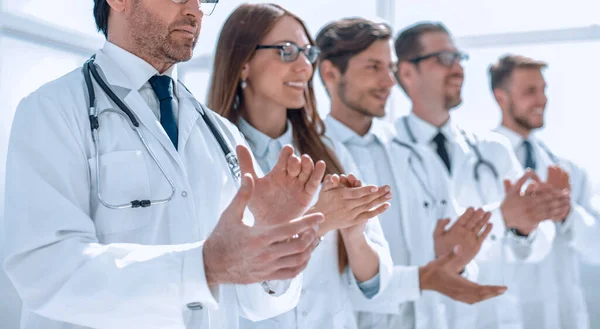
[287, 29]
[527, 76]
[380, 50]
[437, 41]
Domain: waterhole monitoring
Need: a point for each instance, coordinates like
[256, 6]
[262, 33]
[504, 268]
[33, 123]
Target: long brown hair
[241, 33]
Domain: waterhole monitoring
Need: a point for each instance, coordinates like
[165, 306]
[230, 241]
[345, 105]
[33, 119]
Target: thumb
[245, 160]
[507, 186]
[440, 228]
[451, 256]
[235, 210]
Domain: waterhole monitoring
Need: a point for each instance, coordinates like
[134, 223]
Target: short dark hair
[101, 12]
[343, 39]
[408, 43]
[501, 71]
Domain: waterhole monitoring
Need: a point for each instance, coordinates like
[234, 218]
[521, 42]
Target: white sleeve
[52, 254]
[582, 226]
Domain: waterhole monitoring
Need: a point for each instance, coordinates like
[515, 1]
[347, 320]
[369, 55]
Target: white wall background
[41, 40]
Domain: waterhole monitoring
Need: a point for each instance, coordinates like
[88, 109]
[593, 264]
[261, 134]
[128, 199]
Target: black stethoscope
[481, 162]
[90, 67]
[433, 202]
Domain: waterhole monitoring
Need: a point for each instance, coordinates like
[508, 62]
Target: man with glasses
[482, 168]
[186, 253]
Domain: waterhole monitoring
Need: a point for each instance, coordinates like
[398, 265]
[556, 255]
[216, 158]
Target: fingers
[366, 215]
[284, 157]
[465, 218]
[330, 182]
[507, 186]
[481, 222]
[370, 200]
[304, 242]
[235, 210]
[282, 232]
[360, 192]
[486, 232]
[312, 184]
[293, 166]
[245, 160]
[471, 293]
[354, 182]
[476, 222]
[307, 166]
[440, 228]
[529, 174]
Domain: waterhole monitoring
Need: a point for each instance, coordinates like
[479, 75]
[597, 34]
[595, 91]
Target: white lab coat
[551, 293]
[415, 228]
[77, 264]
[327, 295]
[502, 255]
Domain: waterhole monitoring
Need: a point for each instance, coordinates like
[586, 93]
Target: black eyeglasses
[207, 6]
[290, 51]
[445, 58]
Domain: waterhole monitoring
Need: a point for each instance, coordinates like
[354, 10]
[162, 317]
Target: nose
[302, 64]
[389, 78]
[193, 8]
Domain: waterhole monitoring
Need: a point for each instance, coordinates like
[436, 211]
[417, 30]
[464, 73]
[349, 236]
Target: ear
[501, 97]
[330, 74]
[405, 74]
[245, 72]
[119, 5]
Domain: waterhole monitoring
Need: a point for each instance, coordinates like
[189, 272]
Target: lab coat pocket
[123, 178]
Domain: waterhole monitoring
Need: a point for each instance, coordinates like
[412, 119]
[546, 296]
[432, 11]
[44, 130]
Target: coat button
[493, 237]
[184, 194]
[304, 313]
[195, 306]
[303, 291]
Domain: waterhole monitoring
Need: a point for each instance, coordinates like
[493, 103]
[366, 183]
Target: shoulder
[490, 142]
[229, 129]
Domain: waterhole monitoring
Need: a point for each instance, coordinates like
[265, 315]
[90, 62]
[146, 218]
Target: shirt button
[184, 194]
[493, 237]
[195, 306]
[304, 313]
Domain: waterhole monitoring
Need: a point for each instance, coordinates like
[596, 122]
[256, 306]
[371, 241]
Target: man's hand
[239, 254]
[440, 275]
[556, 185]
[524, 212]
[466, 231]
[287, 190]
[346, 207]
[559, 180]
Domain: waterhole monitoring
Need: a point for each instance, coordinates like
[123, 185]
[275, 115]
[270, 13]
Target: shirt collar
[346, 135]
[260, 142]
[135, 69]
[424, 131]
[515, 139]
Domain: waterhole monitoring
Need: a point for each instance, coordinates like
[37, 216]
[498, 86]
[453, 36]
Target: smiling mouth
[296, 84]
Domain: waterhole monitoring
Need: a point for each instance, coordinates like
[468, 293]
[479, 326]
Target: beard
[452, 100]
[354, 104]
[152, 37]
[521, 120]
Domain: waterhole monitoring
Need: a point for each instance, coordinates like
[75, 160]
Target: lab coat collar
[344, 134]
[134, 71]
[424, 131]
[515, 139]
[260, 142]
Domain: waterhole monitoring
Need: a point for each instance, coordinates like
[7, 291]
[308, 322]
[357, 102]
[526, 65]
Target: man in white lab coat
[357, 64]
[188, 260]
[482, 168]
[554, 300]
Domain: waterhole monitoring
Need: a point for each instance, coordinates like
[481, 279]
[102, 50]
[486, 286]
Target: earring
[243, 84]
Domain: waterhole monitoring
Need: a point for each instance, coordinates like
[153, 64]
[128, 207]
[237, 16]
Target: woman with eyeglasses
[262, 82]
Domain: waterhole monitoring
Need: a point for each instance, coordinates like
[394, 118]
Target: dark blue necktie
[163, 87]
[440, 143]
[529, 159]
